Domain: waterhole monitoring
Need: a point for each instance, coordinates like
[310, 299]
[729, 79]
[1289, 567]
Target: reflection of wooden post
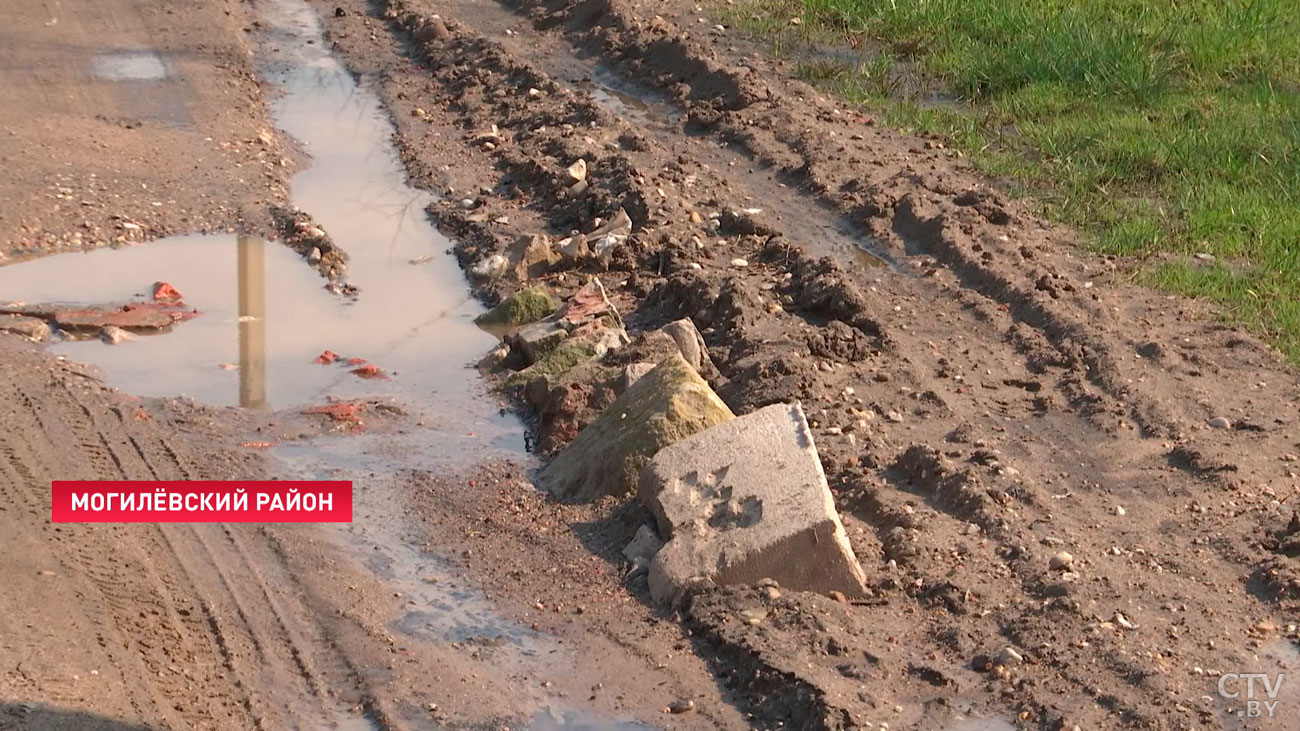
[252, 323]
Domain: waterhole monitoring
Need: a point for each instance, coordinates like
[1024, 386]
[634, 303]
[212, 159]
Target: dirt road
[1025, 450]
[127, 120]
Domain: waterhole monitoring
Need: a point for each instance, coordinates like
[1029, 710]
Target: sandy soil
[984, 397]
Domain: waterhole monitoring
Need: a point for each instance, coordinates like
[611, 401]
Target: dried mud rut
[1023, 448]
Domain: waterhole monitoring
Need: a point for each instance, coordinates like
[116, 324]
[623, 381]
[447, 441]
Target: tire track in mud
[914, 212]
[1049, 393]
[197, 647]
[116, 575]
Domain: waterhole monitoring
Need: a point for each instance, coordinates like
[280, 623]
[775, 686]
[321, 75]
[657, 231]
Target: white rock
[645, 544]
[578, 171]
[491, 267]
[114, 335]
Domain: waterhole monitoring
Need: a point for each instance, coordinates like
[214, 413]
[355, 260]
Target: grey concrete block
[746, 500]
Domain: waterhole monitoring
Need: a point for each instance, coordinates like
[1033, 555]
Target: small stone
[738, 263]
[491, 268]
[1221, 422]
[314, 255]
[578, 171]
[531, 256]
[419, 112]
[838, 596]
[1061, 561]
[114, 335]
[754, 616]
[1010, 656]
[770, 593]
[1120, 511]
[894, 416]
[432, 29]
[633, 373]
[164, 292]
[684, 705]
[643, 546]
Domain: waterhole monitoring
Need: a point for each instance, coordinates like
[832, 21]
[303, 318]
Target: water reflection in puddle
[265, 318]
[645, 107]
[980, 724]
[129, 66]
[356, 190]
[555, 720]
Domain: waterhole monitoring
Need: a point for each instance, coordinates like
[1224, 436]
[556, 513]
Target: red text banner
[182, 501]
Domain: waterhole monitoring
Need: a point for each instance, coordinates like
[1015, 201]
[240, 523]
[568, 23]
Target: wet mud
[985, 397]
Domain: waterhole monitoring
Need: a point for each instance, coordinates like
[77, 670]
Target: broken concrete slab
[535, 340]
[531, 257]
[555, 351]
[633, 373]
[600, 242]
[667, 404]
[130, 316]
[747, 500]
[32, 328]
[522, 307]
[643, 546]
[127, 318]
[574, 249]
[689, 342]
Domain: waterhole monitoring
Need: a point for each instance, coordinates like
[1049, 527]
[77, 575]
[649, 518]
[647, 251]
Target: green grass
[1160, 128]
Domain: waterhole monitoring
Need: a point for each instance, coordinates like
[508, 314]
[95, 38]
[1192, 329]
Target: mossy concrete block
[520, 308]
[667, 404]
[562, 358]
[537, 339]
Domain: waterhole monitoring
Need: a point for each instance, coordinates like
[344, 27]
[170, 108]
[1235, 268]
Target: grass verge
[1160, 128]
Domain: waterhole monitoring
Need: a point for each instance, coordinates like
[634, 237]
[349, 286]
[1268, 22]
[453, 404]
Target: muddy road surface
[1073, 499]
